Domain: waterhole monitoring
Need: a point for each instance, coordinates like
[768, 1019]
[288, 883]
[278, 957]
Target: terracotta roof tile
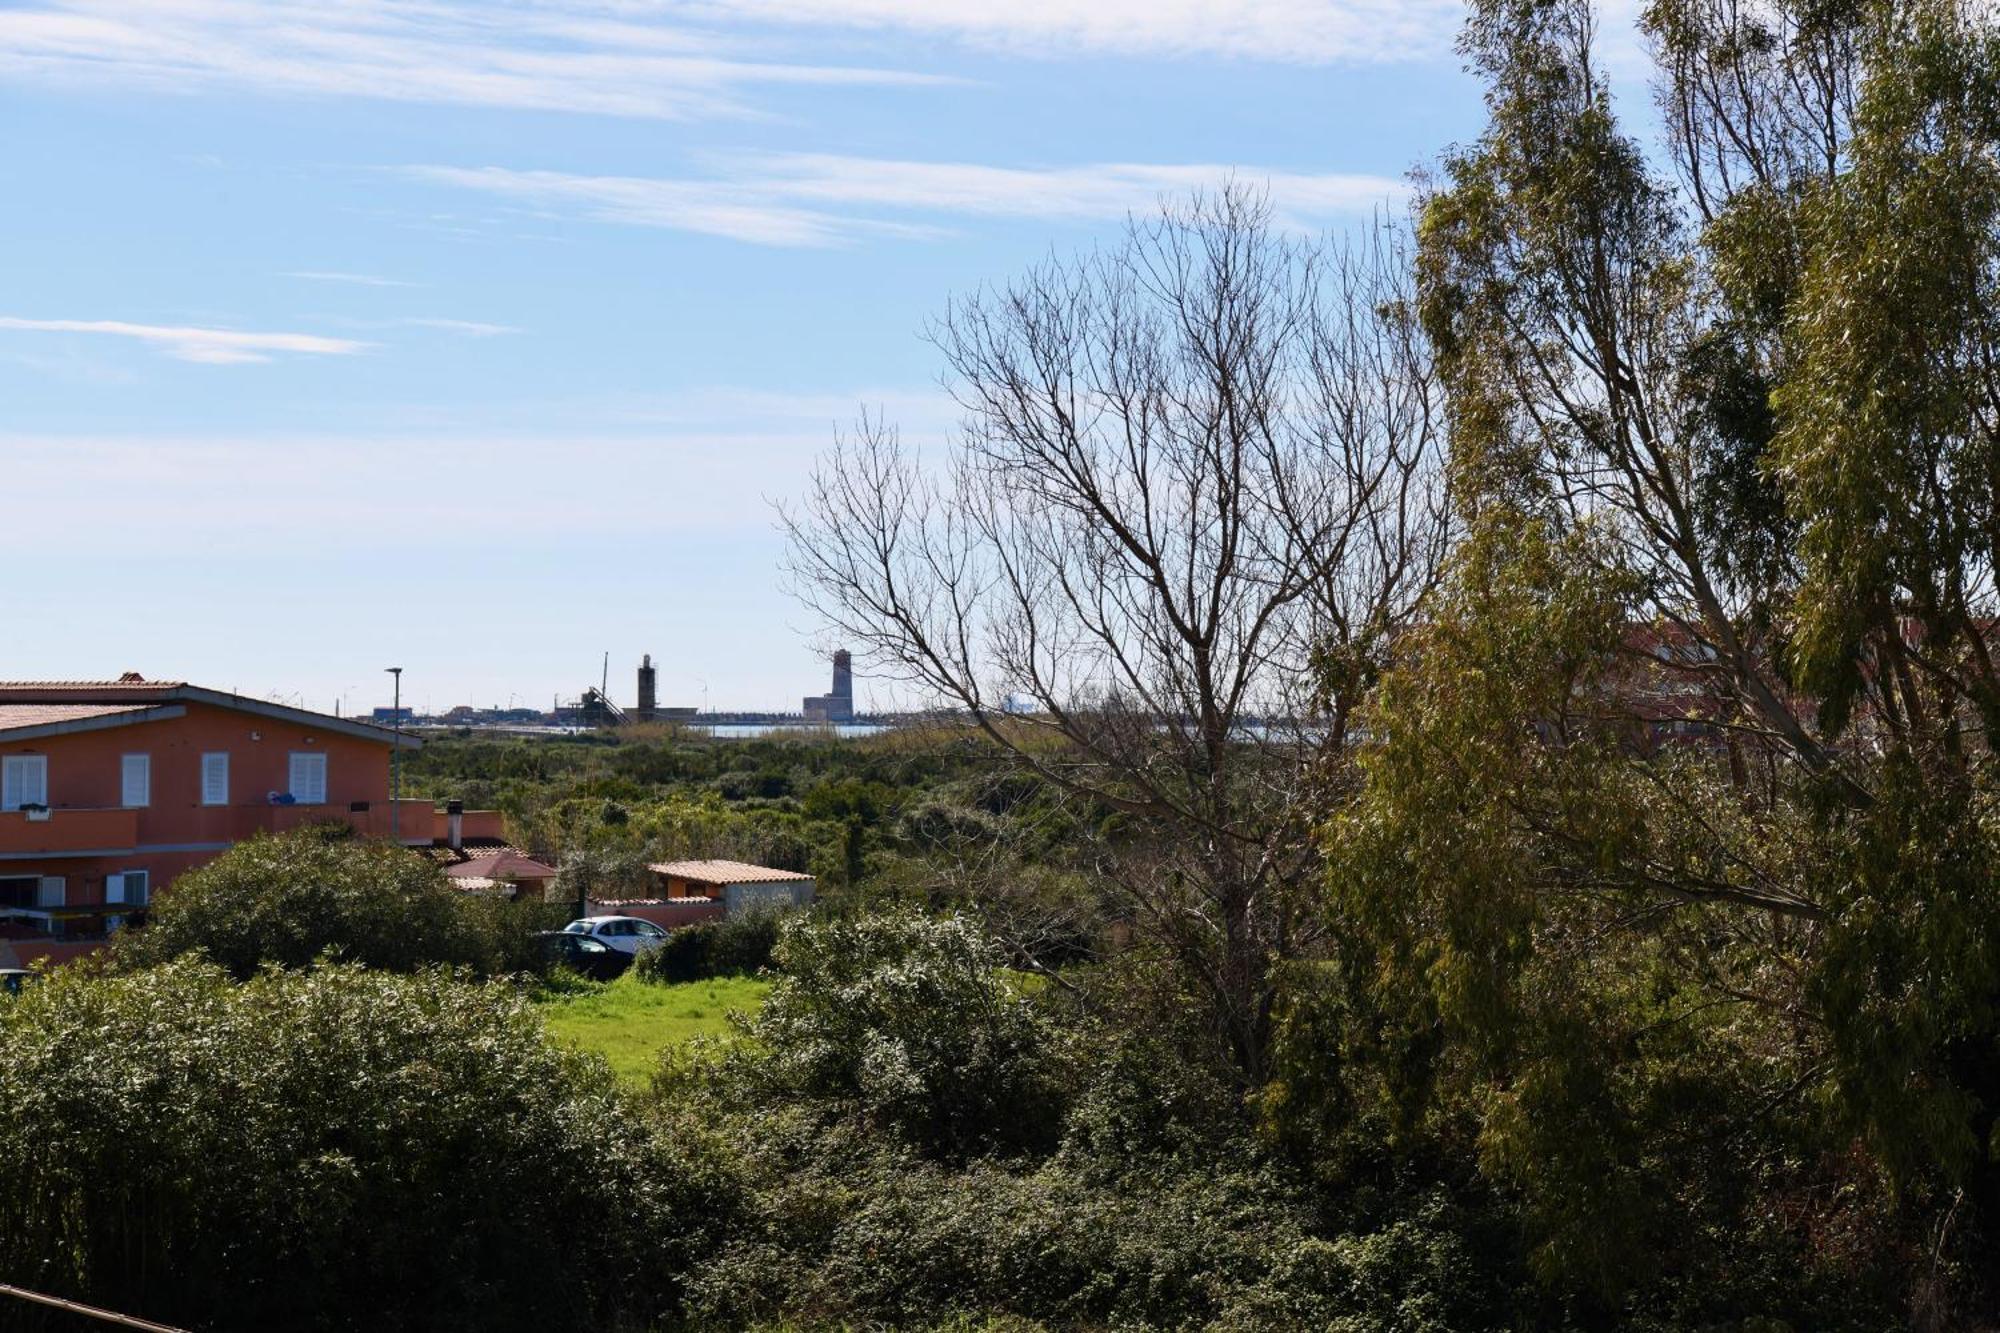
[443, 854]
[14, 716]
[85, 691]
[504, 864]
[725, 872]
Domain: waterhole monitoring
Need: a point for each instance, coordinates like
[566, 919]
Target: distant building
[838, 704]
[388, 717]
[692, 891]
[649, 693]
[738, 885]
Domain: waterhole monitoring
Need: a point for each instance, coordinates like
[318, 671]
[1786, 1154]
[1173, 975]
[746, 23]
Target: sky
[481, 337]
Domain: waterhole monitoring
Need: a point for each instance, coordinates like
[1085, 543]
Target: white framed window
[133, 888]
[215, 778]
[24, 780]
[308, 777]
[135, 780]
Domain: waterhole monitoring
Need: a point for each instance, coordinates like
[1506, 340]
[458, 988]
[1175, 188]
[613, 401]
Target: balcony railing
[68, 832]
[77, 832]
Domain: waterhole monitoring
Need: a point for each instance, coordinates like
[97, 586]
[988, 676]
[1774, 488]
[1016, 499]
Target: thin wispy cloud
[187, 343]
[1288, 31]
[466, 328]
[801, 199]
[471, 328]
[610, 57]
[350, 279]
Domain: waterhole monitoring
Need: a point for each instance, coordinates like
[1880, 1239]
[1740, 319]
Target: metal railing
[88, 1311]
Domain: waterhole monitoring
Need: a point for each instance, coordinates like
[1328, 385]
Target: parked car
[13, 978]
[582, 955]
[626, 934]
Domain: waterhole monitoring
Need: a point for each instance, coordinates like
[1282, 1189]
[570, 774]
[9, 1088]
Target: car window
[616, 928]
[577, 928]
[648, 929]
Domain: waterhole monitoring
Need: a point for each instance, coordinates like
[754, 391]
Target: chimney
[454, 823]
[648, 690]
[840, 703]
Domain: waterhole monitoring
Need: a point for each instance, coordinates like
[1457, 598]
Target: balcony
[421, 822]
[408, 821]
[84, 832]
[68, 832]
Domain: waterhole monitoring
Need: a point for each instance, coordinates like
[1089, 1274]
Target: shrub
[728, 948]
[332, 1149]
[294, 898]
[907, 1024]
[1221, 1244]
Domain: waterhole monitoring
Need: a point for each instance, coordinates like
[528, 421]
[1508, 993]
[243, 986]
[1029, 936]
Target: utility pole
[396, 759]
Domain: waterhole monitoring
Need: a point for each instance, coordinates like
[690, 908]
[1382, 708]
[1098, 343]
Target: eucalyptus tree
[1690, 776]
[1194, 485]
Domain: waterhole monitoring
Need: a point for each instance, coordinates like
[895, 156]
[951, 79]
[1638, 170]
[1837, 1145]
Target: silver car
[626, 934]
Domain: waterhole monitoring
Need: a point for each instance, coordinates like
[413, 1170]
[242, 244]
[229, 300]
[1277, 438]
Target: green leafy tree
[294, 899]
[1685, 814]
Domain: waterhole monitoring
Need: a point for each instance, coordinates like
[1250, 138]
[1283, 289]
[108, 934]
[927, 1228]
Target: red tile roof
[503, 864]
[86, 691]
[135, 689]
[725, 872]
[15, 716]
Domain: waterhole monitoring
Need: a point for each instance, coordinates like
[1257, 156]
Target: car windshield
[577, 928]
[592, 946]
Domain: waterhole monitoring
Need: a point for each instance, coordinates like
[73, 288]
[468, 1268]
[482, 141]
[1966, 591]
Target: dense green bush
[921, 1143]
[295, 898]
[908, 1025]
[1220, 1246]
[731, 947]
[331, 1149]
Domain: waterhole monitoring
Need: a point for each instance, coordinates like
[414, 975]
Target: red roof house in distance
[110, 789]
[709, 891]
[738, 885]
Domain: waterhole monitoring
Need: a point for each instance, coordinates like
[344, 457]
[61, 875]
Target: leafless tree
[1194, 494]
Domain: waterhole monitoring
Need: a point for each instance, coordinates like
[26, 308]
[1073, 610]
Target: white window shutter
[24, 780]
[215, 779]
[308, 779]
[114, 888]
[137, 780]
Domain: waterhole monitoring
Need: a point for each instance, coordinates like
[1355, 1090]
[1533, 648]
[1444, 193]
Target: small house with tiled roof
[738, 885]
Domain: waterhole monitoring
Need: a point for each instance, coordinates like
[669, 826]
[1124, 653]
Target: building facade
[109, 790]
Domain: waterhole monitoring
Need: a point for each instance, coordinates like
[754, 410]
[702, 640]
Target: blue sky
[479, 336]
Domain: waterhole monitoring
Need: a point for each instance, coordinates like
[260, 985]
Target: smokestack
[454, 823]
[843, 675]
[648, 689]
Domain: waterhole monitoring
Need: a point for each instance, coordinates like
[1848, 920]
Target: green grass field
[629, 1022]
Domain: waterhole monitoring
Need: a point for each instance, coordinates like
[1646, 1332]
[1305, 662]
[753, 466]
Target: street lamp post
[396, 759]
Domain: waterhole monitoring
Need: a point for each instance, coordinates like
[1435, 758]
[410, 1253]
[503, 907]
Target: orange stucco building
[109, 790]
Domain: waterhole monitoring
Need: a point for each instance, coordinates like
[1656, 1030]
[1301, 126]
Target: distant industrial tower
[839, 705]
[649, 698]
[843, 678]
